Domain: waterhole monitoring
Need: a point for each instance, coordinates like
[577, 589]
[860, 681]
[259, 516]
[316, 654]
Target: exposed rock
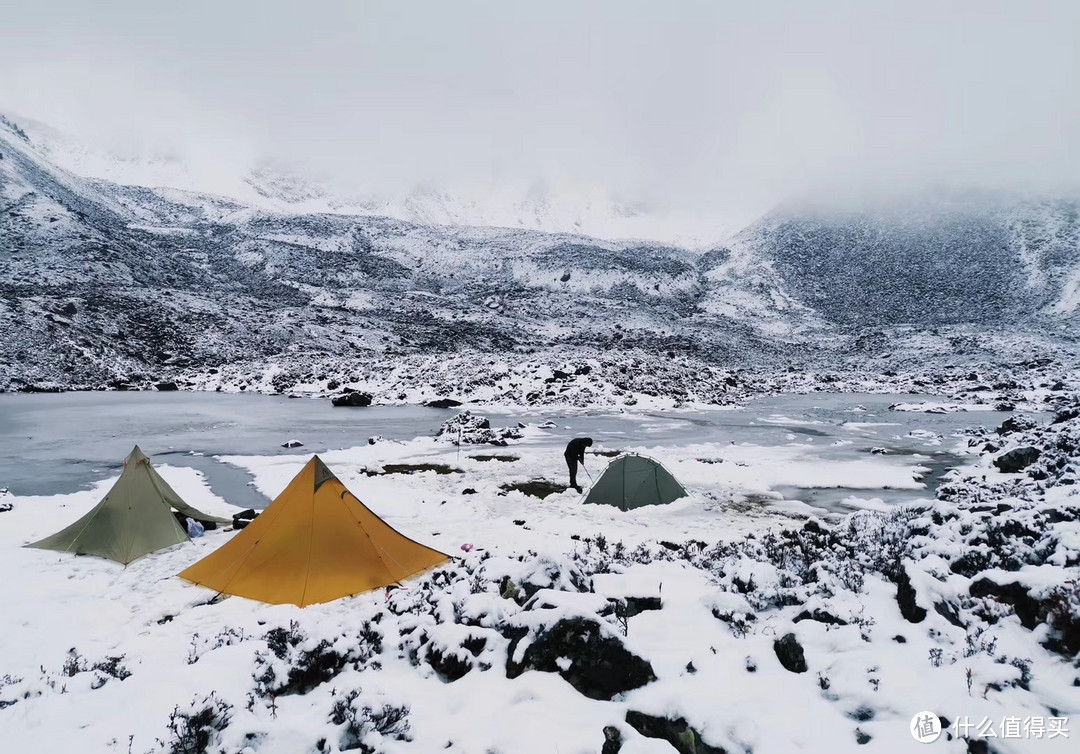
[905, 598]
[450, 665]
[1064, 416]
[612, 740]
[821, 616]
[292, 444]
[352, 398]
[443, 403]
[790, 653]
[635, 605]
[1028, 609]
[676, 732]
[1017, 460]
[949, 613]
[1015, 424]
[166, 386]
[468, 429]
[599, 667]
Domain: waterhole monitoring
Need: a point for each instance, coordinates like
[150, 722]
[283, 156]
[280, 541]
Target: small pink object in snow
[466, 547]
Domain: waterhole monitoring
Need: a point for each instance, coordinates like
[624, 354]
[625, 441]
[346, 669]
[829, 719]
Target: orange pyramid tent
[315, 543]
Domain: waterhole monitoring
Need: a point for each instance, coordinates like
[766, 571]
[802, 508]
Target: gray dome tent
[631, 481]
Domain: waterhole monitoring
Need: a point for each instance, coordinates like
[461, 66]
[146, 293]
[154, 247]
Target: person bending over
[575, 454]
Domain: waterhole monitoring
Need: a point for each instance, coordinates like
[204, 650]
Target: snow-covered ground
[770, 629]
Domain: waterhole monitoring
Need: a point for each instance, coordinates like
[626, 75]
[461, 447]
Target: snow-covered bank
[721, 616]
[586, 378]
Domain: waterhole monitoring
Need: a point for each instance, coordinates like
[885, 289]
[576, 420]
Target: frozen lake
[59, 443]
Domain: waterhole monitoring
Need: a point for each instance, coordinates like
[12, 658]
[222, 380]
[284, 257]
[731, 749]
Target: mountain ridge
[100, 281]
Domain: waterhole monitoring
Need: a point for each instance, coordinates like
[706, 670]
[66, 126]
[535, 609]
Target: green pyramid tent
[135, 517]
[632, 481]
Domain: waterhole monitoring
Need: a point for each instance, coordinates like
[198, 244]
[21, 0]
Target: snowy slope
[929, 260]
[275, 186]
[109, 283]
[221, 281]
[726, 621]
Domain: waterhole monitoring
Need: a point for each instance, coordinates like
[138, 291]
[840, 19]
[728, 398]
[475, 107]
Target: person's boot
[578, 487]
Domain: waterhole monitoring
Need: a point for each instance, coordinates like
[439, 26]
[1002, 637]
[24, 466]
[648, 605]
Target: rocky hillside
[943, 260]
[102, 284]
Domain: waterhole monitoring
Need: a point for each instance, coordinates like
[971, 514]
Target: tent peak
[322, 473]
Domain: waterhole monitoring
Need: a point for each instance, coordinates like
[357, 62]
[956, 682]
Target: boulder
[467, 429]
[677, 732]
[1015, 424]
[292, 444]
[612, 740]
[821, 616]
[589, 657]
[790, 653]
[1017, 460]
[451, 665]
[1066, 415]
[352, 398]
[443, 403]
[950, 613]
[905, 599]
[636, 605]
[1028, 609]
[166, 387]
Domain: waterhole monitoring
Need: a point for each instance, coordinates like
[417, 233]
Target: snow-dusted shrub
[297, 663]
[110, 667]
[6, 681]
[367, 719]
[1063, 615]
[74, 664]
[194, 730]
[224, 638]
[739, 622]
[587, 651]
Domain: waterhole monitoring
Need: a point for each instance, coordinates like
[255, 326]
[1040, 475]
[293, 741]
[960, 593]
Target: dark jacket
[576, 448]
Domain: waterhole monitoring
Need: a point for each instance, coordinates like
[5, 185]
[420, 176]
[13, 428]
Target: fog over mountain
[682, 122]
[201, 186]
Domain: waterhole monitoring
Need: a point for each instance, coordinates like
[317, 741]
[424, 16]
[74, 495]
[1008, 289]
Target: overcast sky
[681, 102]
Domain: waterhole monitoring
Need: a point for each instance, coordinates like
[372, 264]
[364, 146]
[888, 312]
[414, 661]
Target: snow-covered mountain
[103, 281]
[944, 258]
[275, 185]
